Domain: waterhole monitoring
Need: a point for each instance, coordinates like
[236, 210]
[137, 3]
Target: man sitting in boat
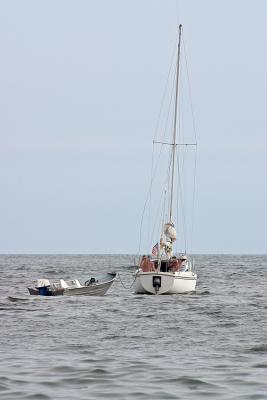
[174, 264]
[146, 264]
[178, 264]
[183, 260]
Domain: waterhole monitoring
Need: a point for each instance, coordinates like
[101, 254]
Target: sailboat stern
[155, 283]
[164, 282]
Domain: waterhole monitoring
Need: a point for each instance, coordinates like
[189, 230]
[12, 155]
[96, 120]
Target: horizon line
[125, 254]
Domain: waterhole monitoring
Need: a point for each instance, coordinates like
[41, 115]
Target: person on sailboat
[145, 264]
[174, 264]
[151, 264]
[182, 261]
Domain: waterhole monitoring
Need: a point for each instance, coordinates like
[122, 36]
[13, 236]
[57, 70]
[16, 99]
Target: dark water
[208, 345]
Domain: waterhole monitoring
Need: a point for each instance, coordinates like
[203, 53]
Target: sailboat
[163, 272]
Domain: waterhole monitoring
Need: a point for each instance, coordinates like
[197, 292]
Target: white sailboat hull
[170, 282]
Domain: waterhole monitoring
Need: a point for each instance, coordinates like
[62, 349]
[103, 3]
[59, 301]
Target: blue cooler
[43, 287]
[43, 291]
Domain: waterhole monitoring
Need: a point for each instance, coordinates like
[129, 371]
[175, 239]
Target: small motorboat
[94, 286]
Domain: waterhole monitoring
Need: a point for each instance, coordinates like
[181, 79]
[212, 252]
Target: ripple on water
[261, 348]
[260, 365]
[38, 396]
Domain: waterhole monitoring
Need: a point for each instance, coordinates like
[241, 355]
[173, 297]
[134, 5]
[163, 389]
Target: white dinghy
[164, 273]
[94, 286]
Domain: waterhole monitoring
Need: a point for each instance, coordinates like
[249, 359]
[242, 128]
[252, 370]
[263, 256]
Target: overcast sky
[81, 87]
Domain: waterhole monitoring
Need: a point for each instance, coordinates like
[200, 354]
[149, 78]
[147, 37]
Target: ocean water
[211, 344]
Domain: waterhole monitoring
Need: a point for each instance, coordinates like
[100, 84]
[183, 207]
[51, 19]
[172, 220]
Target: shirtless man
[146, 264]
[174, 264]
[151, 264]
[177, 264]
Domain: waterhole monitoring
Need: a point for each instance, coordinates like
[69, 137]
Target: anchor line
[123, 285]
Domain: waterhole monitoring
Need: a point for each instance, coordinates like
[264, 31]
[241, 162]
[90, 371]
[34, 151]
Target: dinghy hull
[95, 286]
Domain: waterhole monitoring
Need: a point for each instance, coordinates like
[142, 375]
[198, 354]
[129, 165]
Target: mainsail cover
[170, 236]
[169, 231]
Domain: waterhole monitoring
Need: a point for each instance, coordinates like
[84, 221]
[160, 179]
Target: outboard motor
[157, 283]
[90, 281]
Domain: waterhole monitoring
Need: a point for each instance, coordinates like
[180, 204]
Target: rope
[123, 285]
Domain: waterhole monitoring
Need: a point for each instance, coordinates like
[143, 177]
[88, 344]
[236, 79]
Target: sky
[81, 87]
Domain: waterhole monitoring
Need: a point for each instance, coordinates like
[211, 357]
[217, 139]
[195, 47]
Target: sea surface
[211, 344]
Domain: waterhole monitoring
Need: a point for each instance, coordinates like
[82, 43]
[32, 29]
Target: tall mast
[175, 120]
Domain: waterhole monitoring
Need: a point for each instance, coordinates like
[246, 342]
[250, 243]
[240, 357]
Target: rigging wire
[180, 160]
[183, 170]
[153, 173]
[190, 91]
[162, 196]
[181, 190]
[165, 90]
[196, 147]
[150, 192]
[165, 128]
